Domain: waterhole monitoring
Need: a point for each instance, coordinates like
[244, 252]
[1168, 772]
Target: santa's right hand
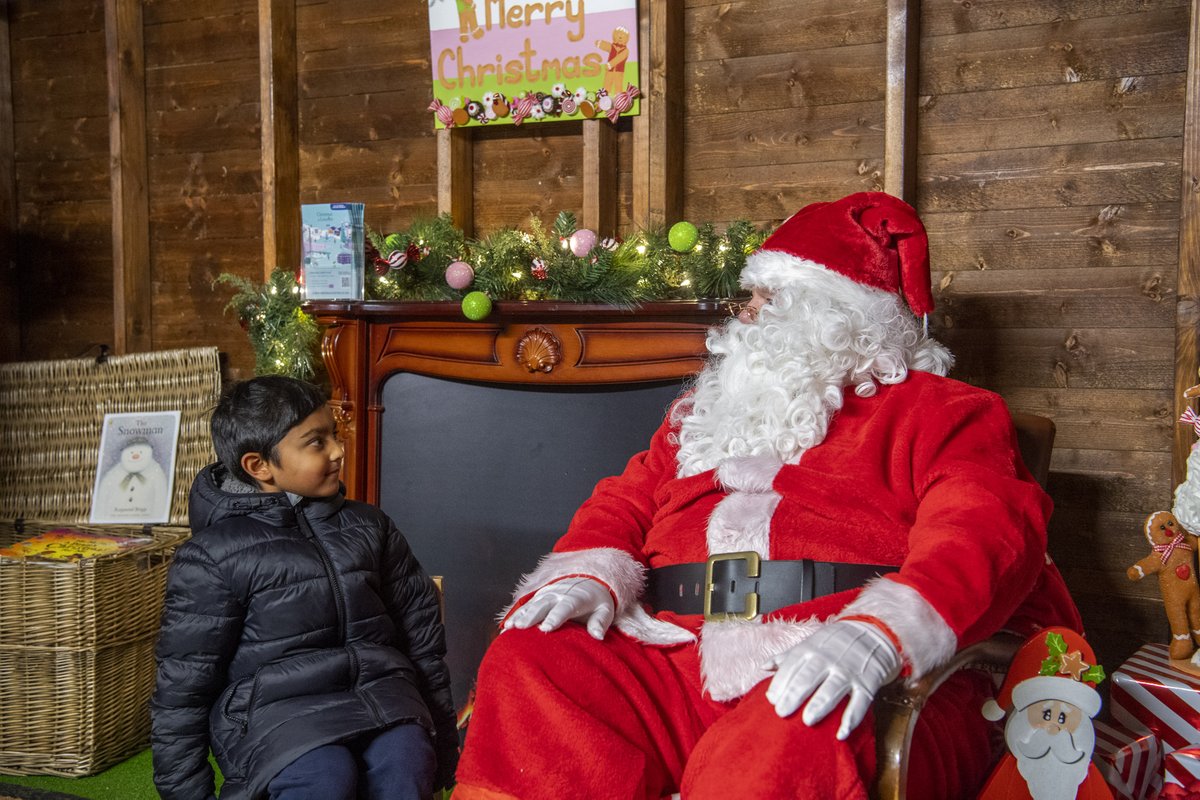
[582, 599]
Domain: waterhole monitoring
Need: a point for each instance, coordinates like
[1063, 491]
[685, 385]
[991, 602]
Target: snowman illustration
[134, 488]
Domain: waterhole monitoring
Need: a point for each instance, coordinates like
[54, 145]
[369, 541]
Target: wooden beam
[132, 298]
[279, 103]
[658, 129]
[456, 178]
[10, 308]
[1187, 315]
[600, 176]
[900, 101]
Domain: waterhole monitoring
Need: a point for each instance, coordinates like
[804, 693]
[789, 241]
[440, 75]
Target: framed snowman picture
[136, 468]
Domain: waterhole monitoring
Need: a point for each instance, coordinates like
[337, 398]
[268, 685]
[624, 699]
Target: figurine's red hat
[1053, 664]
[871, 238]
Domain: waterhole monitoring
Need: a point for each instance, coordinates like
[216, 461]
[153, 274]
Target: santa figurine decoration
[1050, 697]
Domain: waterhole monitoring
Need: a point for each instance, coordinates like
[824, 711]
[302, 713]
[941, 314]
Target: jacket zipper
[339, 600]
[340, 603]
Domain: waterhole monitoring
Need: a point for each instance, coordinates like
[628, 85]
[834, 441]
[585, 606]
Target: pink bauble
[459, 275]
[582, 242]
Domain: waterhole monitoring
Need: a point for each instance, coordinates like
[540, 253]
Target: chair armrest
[899, 703]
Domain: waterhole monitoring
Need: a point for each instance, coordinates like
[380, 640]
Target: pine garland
[508, 264]
[283, 337]
[540, 265]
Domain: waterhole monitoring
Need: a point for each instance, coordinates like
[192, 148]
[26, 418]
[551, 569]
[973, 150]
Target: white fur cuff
[616, 568]
[925, 638]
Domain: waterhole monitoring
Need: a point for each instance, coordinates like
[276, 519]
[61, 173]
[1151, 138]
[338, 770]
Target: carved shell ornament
[539, 350]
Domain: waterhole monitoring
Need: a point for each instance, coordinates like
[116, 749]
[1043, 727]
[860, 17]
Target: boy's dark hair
[253, 417]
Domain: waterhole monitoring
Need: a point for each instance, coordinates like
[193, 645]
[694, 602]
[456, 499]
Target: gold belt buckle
[750, 610]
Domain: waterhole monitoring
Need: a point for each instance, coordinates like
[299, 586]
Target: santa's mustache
[1038, 742]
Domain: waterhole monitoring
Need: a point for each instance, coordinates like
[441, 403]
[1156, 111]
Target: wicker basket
[77, 639]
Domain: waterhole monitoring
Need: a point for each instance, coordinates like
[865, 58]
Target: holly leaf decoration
[1095, 674]
[1057, 646]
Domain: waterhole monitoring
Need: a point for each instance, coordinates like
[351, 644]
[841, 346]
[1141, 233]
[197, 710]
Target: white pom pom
[992, 711]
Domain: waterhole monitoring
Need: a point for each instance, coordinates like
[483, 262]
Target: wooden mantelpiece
[542, 342]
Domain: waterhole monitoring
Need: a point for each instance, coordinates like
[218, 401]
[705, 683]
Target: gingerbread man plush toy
[1173, 558]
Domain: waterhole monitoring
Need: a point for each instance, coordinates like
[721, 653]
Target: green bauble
[683, 236]
[394, 241]
[476, 306]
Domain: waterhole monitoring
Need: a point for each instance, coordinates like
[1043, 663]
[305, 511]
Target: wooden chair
[898, 705]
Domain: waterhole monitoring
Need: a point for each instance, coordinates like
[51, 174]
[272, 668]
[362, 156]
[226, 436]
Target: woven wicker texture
[77, 643]
[50, 422]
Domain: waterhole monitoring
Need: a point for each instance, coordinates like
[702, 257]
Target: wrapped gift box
[1148, 695]
[1182, 774]
[1131, 761]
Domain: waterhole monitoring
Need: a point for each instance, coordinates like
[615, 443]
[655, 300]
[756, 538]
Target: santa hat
[871, 238]
[1053, 664]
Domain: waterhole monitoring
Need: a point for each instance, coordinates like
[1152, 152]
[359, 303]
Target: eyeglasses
[735, 309]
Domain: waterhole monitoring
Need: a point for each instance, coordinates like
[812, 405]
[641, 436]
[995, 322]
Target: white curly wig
[772, 386]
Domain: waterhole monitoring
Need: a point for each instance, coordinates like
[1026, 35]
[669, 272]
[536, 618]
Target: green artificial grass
[129, 780]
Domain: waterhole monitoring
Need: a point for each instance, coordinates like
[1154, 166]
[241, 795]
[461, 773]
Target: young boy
[300, 639]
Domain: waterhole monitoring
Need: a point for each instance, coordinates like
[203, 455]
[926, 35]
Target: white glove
[845, 657]
[571, 598]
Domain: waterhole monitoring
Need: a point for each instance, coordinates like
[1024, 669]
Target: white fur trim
[733, 652]
[742, 521]
[636, 623]
[925, 638]
[1051, 687]
[770, 269]
[748, 473]
[616, 568]
[774, 269]
[625, 576]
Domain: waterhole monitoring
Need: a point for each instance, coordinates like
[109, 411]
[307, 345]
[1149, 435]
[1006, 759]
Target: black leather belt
[743, 585]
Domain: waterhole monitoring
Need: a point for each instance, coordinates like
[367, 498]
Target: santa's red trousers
[562, 715]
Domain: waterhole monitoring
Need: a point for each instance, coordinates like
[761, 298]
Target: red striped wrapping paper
[1131, 762]
[1147, 695]
[1181, 767]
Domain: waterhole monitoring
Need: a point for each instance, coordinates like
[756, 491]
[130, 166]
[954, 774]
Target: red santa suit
[924, 476]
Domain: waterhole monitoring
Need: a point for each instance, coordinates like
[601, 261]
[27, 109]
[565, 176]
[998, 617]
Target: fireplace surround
[480, 439]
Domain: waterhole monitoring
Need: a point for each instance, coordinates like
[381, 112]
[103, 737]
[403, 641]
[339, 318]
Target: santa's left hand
[845, 657]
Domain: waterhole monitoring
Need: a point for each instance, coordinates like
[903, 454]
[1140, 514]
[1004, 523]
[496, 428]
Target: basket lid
[52, 413]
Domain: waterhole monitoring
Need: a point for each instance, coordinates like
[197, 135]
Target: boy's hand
[571, 598]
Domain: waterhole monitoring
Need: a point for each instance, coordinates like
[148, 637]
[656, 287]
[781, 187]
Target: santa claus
[823, 513]
[1050, 689]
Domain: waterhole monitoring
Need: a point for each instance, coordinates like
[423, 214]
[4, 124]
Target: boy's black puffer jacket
[289, 628]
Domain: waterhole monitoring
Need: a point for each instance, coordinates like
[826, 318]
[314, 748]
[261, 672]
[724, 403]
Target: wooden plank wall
[63, 240]
[1050, 136]
[1049, 177]
[10, 317]
[202, 128]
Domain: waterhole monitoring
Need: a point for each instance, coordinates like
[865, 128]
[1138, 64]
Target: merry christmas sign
[499, 61]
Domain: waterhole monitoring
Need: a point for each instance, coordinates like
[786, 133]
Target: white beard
[1053, 765]
[772, 386]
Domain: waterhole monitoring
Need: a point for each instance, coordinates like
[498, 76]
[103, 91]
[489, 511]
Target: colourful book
[65, 544]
